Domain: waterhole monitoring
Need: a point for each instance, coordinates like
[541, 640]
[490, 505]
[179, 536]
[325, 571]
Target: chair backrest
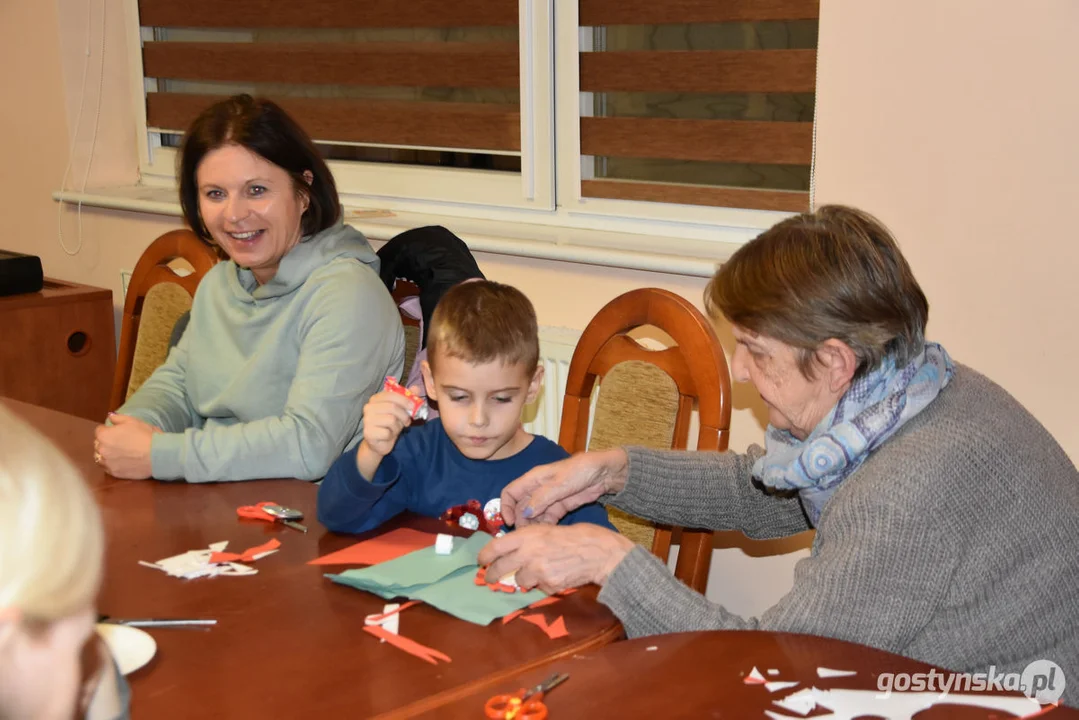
[402, 290]
[647, 396]
[156, 298]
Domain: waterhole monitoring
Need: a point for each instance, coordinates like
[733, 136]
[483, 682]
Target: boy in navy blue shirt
[482, 368]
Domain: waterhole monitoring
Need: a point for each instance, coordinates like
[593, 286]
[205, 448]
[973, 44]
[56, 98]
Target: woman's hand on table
[556, 557]
[545, 494]
[123, 448]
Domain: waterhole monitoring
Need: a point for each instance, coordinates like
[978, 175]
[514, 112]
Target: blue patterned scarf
[870, 412]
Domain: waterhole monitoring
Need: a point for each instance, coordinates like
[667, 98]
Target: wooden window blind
[435, 75]
[705, 102]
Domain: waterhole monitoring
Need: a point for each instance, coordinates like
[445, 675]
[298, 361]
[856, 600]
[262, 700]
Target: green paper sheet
[445, 581]
[460, 596]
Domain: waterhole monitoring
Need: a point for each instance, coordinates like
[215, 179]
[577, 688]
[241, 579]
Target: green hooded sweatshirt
[270, 381]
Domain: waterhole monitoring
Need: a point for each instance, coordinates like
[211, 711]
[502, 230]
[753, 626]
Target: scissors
[272, 512]
[523, 704]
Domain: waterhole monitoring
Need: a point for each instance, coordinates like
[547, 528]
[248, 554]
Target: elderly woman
[287, 339]
[51, 548]
[946, 516]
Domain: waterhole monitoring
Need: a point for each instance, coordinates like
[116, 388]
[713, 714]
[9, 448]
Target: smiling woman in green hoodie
[287, 340]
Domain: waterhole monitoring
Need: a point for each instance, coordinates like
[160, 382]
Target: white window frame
[546, 192]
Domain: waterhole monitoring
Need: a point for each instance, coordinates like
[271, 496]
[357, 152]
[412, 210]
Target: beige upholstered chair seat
[163, 306]
[157, 296]
[637, 405]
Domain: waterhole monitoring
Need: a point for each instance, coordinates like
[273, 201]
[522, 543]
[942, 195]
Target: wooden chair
[646, 398]
[402, 290]
[156, 297]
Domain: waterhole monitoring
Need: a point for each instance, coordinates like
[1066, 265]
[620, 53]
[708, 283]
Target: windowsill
[679, 256]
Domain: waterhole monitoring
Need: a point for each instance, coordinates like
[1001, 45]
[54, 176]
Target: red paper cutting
[409, 646]
[392, 545]
[383, 616]
[554, 630]
[247, 555]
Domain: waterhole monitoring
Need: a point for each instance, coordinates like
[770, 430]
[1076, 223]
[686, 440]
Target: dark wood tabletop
[701, 675]
[288, 643]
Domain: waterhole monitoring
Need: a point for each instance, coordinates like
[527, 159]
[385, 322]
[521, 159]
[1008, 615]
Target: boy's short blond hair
[480, 321]
[51, 539]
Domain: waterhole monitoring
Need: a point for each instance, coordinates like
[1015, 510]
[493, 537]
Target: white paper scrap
[777, 685]
[777, 716]
[651, 647]
[196, 563]
[801, 702]
[391, 623]
[850, 704]
[773, 671]
[754, 677]
[824, 672]
[443, 544]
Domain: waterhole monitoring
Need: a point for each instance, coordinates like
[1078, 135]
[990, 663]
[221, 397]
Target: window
[666, 118]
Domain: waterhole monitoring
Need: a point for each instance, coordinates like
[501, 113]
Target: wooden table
[289, 643]
[700, 675]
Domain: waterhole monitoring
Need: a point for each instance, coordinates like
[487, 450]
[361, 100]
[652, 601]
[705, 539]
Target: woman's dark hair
[262, 127]
[834, 273]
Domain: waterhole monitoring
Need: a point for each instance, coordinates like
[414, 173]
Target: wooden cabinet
[58, 348]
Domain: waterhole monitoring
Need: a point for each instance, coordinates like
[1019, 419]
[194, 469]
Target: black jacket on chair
[434, 259]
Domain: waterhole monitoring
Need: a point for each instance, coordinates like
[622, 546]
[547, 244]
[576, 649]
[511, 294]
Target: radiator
[556, 350]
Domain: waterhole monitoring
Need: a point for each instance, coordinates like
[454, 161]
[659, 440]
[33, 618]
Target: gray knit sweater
[956, 543]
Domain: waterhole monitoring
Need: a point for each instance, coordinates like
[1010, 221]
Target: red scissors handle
[510, 707]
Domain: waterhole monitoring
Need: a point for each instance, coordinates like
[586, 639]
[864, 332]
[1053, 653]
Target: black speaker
[20, 273]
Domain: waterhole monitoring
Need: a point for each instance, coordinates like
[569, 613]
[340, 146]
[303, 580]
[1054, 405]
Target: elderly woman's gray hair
[834, 273]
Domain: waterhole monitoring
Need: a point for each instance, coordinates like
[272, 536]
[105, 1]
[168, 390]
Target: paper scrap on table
[201, 563]
[773, 671]
[554, 630]
[754, 677]
[538, 604]
[389, 618]
[249, 555]
[444, 581]
[801, 702]
[849, 704]
[777, 685]
[379, 549]
[412, 647]
[823, 672]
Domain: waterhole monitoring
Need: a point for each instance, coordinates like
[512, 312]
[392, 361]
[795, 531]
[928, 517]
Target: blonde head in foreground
[51, 546]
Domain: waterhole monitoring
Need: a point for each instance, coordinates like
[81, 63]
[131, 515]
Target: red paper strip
[247, 555]
[513, 615]
[555, 630]
[481, 579]
[538, 604]
[385, 547]
[383, 616]
[409, 646]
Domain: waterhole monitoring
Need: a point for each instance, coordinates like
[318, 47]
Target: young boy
[482, 368]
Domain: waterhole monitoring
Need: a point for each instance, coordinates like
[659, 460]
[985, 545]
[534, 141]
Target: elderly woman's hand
[546, 493]
[123, 448]
[556, 557]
